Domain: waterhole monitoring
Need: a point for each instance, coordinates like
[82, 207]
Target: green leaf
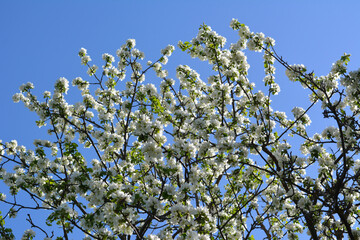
[156, 105]
[184, 45]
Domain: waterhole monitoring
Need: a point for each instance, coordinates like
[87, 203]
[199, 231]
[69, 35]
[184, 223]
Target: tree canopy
[189, 158]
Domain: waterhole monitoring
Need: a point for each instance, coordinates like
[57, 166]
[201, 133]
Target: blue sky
[39, 41]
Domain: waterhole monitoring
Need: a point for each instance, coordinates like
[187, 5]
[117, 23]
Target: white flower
[26, 87]
[153, 237]
[62, 85]
[17, 97]
[244, 32]
[168, 50]
[130, 43]
[295, 71]
[157, 66]
[92, 70]
[108, 57]
[234, 24]
[269, 41]
[82, 52]
[28, 234]
[47, 94]
[2, 196]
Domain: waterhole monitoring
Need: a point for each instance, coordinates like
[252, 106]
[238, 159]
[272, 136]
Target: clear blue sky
[39, 40]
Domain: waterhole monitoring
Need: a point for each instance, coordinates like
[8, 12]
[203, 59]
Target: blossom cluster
[191, 158]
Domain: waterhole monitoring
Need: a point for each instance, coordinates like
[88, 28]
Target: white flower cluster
[352, 86]
[84, 57]
[295, 71]
[168, 50]
[28, 234]
[187, 158]
[300, 115]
